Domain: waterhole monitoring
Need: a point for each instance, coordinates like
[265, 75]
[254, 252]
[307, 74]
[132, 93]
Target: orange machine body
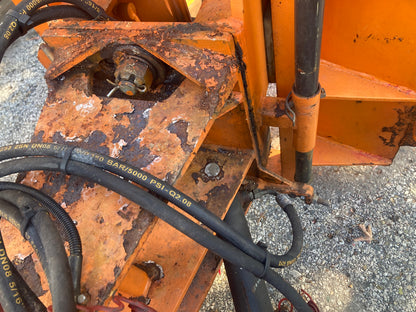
[215, 110]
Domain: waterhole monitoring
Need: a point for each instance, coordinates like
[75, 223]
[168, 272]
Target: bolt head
[82, 299]
[212, 169]
[132, 74]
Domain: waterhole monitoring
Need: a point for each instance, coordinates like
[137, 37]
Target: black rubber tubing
[31, 301]
[46, 242]
[71, 232]
[11, 297]
[164, 190]
[10, 28]
[56, 12]
[290, 210]
[164, 212]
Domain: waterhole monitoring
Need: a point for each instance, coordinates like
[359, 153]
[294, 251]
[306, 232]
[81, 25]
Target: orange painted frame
[352, 119]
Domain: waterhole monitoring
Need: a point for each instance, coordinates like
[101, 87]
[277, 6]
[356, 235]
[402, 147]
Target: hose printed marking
[289, 262]
[92, 5]
[109, 162]
[10, 30]
[6, 267]
[31, 5]
[5, 148]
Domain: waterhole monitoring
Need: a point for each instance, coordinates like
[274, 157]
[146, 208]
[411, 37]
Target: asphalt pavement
[340, 273]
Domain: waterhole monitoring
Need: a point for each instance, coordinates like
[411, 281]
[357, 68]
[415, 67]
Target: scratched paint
[161, 135]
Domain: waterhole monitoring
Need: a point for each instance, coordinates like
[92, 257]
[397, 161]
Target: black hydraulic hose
[56, 12]
[12, 26]
[40, 231]
[30, 299]
[249, 293]
[162, 189]
[71, 232]
[191, 207]
[297, 232]
[11, 298]
[18, 287]
[155, 206]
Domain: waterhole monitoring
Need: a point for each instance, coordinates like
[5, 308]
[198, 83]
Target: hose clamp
[22, 19]
[266, 261]
[66, 158]
[28, 213]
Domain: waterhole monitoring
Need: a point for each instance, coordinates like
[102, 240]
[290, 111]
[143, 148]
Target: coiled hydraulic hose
[169, 193]
[33, 220]
[202, 236]
[71, 232]
[297, 232]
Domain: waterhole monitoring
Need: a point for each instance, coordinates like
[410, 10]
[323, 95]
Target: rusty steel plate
[161, 137]
[179, 256]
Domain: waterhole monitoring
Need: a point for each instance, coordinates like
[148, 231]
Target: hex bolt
[212, 169]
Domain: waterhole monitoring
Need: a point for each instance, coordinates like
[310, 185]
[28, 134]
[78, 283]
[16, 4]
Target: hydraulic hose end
[75, 264]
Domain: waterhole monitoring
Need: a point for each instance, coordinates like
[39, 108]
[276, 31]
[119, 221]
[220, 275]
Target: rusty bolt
[132, 74]
[153, 270]
[212, 169]
[82, 299]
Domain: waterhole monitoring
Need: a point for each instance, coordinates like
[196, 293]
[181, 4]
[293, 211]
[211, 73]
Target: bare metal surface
[341, 275]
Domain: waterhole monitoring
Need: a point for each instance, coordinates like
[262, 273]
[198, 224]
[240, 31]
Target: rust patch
[180, 128]
[212, 70]
[137, 155]
[137, 123]
[73, 191]
[409, 138]
[404, 126]
[37, 137]
[188, 28]
[26, 269]
[140, 132]
[54, 181]
[218, 194]
[279, 111]
[170, 177]
[125, 212]
[132, 236]
[195, 176]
